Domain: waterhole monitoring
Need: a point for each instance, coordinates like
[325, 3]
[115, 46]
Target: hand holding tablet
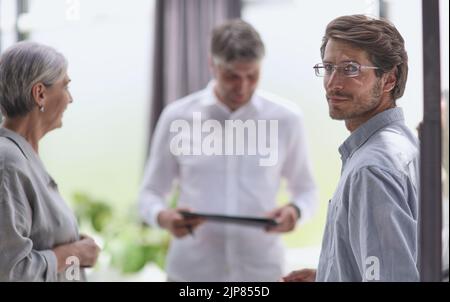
[245, 220]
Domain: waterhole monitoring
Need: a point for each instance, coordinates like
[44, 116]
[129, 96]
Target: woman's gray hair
[22, 66]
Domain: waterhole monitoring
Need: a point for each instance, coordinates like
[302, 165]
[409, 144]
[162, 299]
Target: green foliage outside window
[129, 244]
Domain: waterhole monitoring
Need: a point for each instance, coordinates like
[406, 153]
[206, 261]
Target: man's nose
[334, 81]
[245, 84]
[240, 86]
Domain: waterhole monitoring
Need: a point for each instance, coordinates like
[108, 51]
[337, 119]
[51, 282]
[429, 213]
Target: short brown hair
[236, 40]
[379, 38]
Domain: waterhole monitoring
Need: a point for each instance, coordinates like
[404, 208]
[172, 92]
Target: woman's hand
[88, 251]
[85, 249]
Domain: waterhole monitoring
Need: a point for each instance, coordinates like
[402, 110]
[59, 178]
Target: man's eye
[351, 68]
[232, 77]
[328, 67]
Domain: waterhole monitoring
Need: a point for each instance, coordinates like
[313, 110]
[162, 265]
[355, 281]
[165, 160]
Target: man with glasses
[229, 183]
[371, 229]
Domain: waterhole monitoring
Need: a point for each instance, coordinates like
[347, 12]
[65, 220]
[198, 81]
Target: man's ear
[212, 65]
[38, 93]
[390, 80]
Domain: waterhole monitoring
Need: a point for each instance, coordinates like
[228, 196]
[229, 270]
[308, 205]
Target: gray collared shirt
[33, 216]
[371, 229]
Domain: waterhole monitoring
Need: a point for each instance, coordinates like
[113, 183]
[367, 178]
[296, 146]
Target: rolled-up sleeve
[382, 225]
[19, 261]
[160, 173]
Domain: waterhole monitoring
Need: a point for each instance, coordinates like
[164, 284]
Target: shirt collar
[369, 128]
[28, 151]
[211, 99]
[20, 141]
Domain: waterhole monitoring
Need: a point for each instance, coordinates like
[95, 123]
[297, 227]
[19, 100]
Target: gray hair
[22, 66]
[236, 40]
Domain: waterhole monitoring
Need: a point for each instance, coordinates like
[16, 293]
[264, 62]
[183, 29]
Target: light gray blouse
[33, 216]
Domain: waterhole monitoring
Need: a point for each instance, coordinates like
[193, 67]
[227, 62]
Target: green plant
[129, 243]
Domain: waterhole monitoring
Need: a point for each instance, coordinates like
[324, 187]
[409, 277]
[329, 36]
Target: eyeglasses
[348, 69]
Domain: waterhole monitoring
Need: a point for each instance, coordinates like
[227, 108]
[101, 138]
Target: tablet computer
[246, 220]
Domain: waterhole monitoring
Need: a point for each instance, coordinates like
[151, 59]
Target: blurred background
[99, 155]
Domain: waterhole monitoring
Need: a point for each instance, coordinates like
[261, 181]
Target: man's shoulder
[279, 105]
[393, 147]
[188, 103]
[383, 157]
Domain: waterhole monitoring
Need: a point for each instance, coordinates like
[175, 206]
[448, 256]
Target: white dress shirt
[229, 185]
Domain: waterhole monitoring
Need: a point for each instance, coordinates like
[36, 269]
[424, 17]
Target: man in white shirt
[228, 147]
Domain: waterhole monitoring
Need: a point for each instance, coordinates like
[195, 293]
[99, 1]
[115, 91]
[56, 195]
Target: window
[292, 31]
[101, 148]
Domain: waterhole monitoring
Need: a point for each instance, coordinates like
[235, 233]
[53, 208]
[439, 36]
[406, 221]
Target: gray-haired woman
[39, 239]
